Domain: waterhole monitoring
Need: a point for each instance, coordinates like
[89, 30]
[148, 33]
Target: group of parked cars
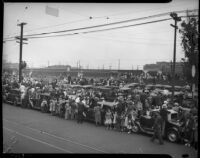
[143, 124]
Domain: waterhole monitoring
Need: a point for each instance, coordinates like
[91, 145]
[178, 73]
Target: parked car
[90, 111]
[38, 100]
[124, 91]
[107, 93]
[144, 124]
[13, 96]
[131, 85]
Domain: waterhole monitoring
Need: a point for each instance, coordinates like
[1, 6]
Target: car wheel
[4, 99]
[172, 136]
[135, 128]
[15, 103]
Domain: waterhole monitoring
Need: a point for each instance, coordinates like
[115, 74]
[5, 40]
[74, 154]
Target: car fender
[139, 125]
[174, 129]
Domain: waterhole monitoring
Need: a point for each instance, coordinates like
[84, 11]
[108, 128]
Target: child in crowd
[54, 106]
[43, 105]
[108, 119]
[51, 106]
[122, 121]
[130, 123]
[115, 120]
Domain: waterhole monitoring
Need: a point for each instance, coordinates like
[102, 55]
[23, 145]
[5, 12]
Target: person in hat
[157, 128]
[97, 114]
[164, 116]
[67, 110]
[189, 127]
[80, 109]
[73, 108]
[130, 107]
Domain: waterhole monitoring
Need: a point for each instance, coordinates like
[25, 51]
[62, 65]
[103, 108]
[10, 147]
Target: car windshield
[15, 92]
[174, 116]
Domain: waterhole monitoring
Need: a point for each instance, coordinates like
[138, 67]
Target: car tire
[172, 136]
[4, 99]
[136, 129]
[15, 103]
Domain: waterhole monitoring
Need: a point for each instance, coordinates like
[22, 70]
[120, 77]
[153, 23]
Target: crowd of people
[120, 117]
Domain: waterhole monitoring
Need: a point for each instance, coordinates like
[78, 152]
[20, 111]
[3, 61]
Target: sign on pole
[193, 70]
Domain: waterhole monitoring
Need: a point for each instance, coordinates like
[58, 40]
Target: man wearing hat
[164, 114]
[80, 111]
[157, 128]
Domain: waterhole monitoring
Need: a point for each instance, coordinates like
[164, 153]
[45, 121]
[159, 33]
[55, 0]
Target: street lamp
[176, 19]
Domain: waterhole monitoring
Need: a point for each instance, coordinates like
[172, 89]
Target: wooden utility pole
[20, 51]
[176, 19]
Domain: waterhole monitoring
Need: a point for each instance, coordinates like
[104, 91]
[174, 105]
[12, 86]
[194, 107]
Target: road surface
[30, 131]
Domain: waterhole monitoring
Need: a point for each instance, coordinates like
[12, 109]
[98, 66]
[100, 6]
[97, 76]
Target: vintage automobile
[124, 91]
[150, 87]
[38, 100]
[104, 105]
[13, 96]
[131, 85]
[87, 87]
[144, 124]
[107, 93]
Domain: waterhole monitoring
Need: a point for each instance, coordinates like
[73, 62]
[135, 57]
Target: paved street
[30, 131]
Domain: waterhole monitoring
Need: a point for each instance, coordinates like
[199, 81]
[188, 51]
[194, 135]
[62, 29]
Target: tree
[190, 36]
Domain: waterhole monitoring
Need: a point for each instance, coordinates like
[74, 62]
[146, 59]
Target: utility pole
[176, 19]
[20, 48]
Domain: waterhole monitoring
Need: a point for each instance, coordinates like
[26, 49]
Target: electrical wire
[93, 31]
[114, 23]
[102, 29]
[102, 25]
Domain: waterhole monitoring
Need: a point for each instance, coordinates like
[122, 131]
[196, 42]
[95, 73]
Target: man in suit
[80, 111]
[157, 127]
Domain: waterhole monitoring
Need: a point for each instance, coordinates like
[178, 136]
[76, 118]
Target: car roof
[15, 89]
[125, 88]
[73, 86]
[87, 86]
[103, 88]
[169, 110]
[110, 104]
[45, 94]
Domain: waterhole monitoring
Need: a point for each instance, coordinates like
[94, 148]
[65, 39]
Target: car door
[89, 114]
[11, 96]
[146, 122]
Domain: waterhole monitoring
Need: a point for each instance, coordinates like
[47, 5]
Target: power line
[107, 29]
[104, 29]
[44, 27]
[102, 25]
[114, 23]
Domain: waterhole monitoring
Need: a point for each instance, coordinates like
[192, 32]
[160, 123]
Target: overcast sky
[134, 46]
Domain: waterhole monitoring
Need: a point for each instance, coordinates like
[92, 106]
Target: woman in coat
[67, 111]
[97, 114]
